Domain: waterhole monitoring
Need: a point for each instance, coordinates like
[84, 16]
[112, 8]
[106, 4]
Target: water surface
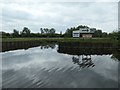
[45, 66]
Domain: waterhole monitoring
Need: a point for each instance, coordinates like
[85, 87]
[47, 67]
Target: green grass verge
[92, 40]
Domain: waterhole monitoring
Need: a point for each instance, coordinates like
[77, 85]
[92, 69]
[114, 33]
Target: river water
[48, 67]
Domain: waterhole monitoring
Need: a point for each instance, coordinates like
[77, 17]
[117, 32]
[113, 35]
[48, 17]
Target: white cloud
[60, 15]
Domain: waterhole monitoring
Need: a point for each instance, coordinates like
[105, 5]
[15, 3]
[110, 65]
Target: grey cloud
[15, 14]
[60, 15]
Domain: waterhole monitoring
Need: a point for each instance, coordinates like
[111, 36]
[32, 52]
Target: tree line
[51, 32]
[97, 33]
[26, 32]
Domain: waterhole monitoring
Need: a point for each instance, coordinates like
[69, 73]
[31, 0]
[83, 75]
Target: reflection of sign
[85, 48]
[86, 35]
[85, 61]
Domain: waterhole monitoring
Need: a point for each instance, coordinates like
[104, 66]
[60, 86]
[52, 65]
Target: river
[56, 66]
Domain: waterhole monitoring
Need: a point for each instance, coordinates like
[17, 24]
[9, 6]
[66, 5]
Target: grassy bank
[92, 40]
[25, 43]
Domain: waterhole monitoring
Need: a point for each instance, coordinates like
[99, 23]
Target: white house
[84, 32]
[76, 33]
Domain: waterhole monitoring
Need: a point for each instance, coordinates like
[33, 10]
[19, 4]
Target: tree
[60, 32]
[46, 30]
[15, 33]
[42, 31]
[104, 34]
[25, 32]
[52, 31]
[68, 32]
[114, 34]
[98, 33]
[81, 26]
[4, 34]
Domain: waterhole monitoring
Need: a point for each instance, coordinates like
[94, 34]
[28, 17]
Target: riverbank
[92, 40]
[25, 43]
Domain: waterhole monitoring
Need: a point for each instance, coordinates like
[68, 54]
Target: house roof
[85, 31]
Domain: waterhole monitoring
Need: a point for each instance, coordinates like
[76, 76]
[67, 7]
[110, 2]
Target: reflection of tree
[46, 46]
[86, 48]
[116, 55]
[6, 46]
[86, 61]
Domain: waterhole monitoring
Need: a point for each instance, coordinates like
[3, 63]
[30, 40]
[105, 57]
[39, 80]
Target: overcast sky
[34, 14]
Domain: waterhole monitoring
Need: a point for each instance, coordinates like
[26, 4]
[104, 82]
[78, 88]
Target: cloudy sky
[34, 14]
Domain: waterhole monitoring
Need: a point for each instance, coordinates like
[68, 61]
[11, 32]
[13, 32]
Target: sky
[36, 14]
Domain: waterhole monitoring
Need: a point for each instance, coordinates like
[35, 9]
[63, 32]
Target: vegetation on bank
[51, 33]
[92, 40]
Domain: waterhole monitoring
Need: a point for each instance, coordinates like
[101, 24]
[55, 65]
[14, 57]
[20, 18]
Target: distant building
[84, 32]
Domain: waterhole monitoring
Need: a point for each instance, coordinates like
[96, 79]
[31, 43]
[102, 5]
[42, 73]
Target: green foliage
[115, 35]
[52, 31]
[41, 29]
[60, 32]
[104, 34]
[68, 32]
[97, 33]
[25, 32]
[81, 26]
[4, 35]
[47, 31]
[15, 33]
[93, 40]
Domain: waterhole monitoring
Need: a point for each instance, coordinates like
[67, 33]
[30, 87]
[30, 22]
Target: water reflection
[85, 61]
[7, 46]
[116, 55]
[48, 45]
[60, 66]
[89, 49]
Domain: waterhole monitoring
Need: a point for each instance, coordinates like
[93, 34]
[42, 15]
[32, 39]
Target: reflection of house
[84, 32]
[86, 61]
[86, 48]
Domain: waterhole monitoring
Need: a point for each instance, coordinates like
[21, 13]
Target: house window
[76, 34]
[85, 30]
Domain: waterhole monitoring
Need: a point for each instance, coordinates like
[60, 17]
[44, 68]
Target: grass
[92, 40]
